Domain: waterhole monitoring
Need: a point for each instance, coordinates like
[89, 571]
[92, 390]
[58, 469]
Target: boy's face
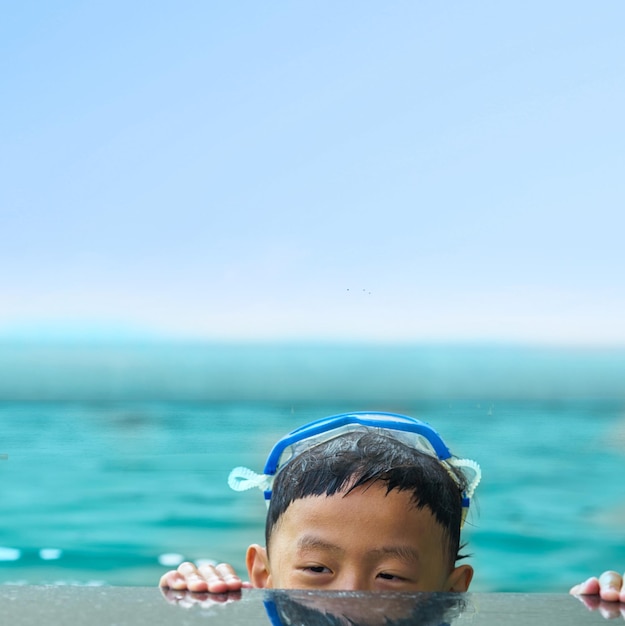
[367, 540]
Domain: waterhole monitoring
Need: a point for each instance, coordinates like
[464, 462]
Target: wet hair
[369, 456]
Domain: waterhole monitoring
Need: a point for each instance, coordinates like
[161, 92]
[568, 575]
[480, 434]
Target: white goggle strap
[243, 478]
[468, 468]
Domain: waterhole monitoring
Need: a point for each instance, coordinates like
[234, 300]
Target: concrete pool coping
[25, 605]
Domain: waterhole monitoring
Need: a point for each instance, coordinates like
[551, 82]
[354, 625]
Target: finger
[610, 584]
[214, 581]
[229, 576]
[173, 580]
[194, 579]
[589, 587]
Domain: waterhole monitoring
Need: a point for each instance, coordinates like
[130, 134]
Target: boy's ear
[460, 578]
[258, 567]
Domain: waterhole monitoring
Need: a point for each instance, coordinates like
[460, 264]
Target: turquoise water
[118, 455]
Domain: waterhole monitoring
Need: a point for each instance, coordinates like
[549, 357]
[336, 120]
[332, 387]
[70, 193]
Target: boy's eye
[387, 576]
[317, 569]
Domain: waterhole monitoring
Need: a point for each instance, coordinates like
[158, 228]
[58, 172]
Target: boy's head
[363, 503]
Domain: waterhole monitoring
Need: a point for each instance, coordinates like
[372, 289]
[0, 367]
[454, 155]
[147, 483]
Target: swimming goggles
[412, 432]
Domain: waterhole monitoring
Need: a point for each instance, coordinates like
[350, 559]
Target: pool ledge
[24, 605]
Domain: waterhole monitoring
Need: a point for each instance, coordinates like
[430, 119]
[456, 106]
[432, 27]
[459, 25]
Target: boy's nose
[351, 581]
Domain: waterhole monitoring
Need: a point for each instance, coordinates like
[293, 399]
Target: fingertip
[610, 594]
[186, 568]
[217, 586]
[234, 584]
[591, 587]
[197, 584]
[178, 583]
[229, 576]
[163, 582]
[611, 586]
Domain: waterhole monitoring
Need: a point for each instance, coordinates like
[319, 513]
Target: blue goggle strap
[313, 434]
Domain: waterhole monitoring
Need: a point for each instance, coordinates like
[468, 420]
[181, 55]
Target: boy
[361, 501]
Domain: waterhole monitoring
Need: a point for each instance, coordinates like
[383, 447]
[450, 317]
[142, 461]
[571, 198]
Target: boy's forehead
[369, 508]
[370, 493]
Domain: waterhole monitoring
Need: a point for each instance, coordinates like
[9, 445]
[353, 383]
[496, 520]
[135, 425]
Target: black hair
[366, 456]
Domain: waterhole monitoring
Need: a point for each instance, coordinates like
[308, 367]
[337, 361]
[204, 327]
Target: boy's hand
[211, 578]
[609, 586]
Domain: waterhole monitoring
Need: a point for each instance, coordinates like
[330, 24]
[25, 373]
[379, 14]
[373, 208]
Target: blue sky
[379, 171]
